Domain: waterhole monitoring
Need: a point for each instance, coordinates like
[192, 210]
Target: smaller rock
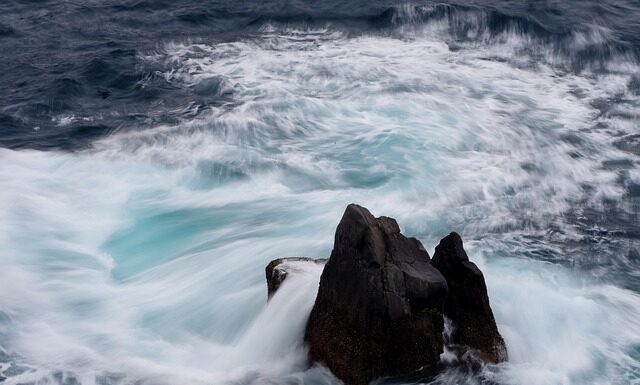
[279, 269]
[467, 304]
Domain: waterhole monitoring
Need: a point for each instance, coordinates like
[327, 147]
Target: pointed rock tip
[450, 248]
[362, 215]
[358, 213]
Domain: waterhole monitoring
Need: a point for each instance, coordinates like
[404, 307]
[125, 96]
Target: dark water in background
[81, 58]
[174, 147]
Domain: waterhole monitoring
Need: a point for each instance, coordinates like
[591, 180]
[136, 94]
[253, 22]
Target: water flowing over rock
[279, 269]
[382, 302]
[379, 309]
[467, 303]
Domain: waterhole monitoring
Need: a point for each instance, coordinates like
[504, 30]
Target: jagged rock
[381, 303]
[279, 269]
[467, 303]
[379, 309]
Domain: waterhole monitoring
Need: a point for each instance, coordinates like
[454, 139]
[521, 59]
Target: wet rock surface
[379, 306]
[382, 303]
[467, 303]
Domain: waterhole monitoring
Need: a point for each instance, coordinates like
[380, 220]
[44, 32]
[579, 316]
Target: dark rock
[379, 309]
[279, 269]
[467, 303]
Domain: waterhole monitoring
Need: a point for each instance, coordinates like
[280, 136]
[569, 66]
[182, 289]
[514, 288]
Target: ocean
[155, 155]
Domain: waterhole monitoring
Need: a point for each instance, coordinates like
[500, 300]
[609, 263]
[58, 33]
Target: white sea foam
[142, 258]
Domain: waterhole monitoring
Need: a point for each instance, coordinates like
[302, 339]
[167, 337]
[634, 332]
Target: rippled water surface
[157, 155]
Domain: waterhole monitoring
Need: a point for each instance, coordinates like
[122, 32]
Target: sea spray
[139, 255]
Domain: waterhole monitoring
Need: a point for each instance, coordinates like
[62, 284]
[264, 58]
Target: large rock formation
[379, 309]
[381, 301]
[467, 303]
[279, 269]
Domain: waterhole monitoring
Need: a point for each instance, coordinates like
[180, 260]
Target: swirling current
[155, 155]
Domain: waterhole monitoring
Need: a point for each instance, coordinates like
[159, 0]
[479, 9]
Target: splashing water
[142, 258]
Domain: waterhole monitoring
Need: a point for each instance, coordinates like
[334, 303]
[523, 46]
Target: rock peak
[452, 243]
[467, 303]
[379, 306]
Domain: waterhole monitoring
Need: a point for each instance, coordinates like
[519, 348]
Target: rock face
[379, 309]
[467, 303]
[279, 269]
[381, 303]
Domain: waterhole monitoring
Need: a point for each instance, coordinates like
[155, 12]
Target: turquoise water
[141, 259]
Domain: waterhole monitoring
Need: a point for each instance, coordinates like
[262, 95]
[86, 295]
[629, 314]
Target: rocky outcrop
[382, 303]
[467, 304]
[379, 309]
[279, 269]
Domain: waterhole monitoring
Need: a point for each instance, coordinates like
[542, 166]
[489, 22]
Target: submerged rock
[279, 269]
[467, 304]
[379, 309]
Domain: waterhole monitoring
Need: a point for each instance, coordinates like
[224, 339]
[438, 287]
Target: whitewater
[140, 258]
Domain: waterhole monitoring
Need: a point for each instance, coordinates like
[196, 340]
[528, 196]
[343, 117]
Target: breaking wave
[136, 253]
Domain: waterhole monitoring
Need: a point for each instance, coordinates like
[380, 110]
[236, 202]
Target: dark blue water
[82, 58]
[155, 155]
